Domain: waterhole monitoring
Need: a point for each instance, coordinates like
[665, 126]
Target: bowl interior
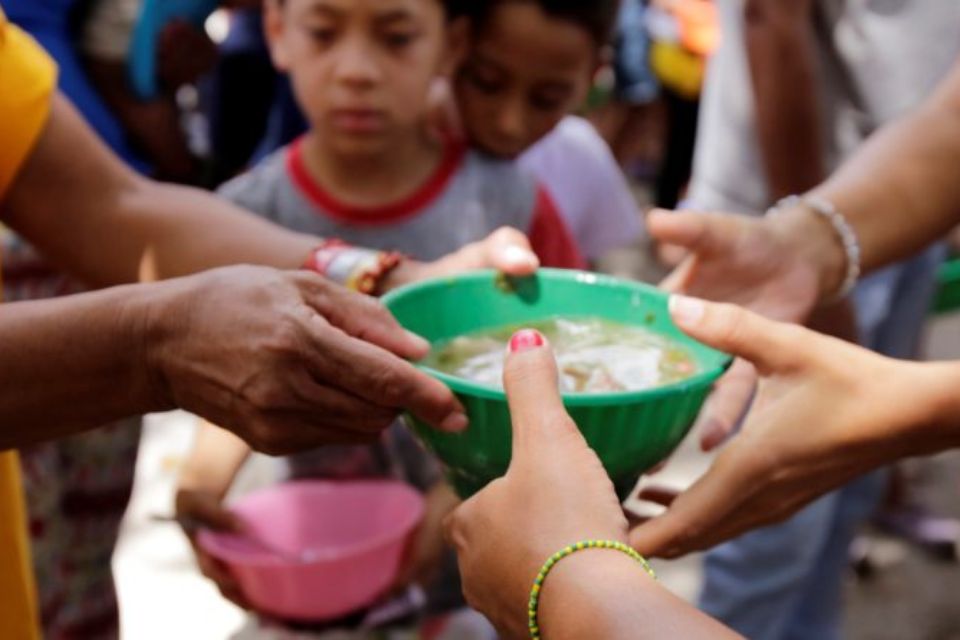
[446, 308]
[333, 520]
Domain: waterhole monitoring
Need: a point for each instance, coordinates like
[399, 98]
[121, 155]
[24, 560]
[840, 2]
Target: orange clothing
[27, 81]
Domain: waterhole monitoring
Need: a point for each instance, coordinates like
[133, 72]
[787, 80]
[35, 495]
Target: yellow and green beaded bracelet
[534, 602]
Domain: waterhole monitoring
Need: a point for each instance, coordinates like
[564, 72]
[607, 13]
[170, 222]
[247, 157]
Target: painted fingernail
[519, 256]
[455, 423]
[684, 310]
[525, 340]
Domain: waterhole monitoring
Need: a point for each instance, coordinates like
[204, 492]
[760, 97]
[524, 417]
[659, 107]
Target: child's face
[524, 72]
[360, 68]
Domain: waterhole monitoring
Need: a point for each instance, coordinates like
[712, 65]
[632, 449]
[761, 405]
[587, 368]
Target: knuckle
[506, 234]
[728, 324]
[284, 338]
[265, 396]
[390, 388]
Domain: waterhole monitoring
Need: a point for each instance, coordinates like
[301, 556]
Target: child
[530, 64]
[369, 173]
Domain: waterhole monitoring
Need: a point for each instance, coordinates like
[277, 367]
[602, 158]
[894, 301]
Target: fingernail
[519, 256]
[418, 341]
[713, 433]
[455, 423]
[686, 311]
[526, 339]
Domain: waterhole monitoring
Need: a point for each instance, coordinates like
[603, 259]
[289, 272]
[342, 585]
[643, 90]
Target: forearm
[179, 231]
[931, 423]
[781, 52]
[85, 210]
[215, 460]
[605, 594]
[57, 355]
[901, 191]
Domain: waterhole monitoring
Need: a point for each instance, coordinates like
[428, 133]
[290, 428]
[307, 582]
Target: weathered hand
[288, 360]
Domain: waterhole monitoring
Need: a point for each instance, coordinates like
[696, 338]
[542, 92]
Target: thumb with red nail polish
[526, 339]
[555, 492]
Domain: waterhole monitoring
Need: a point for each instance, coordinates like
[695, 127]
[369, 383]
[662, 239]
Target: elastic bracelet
[560, 555]
[844, 231]
[359, 269]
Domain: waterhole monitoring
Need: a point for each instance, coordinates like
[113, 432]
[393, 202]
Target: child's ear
[273, 26]
[458, 43]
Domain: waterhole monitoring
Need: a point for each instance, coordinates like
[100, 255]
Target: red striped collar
[383, 214]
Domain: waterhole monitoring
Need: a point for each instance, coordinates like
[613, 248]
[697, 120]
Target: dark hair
[597, 17]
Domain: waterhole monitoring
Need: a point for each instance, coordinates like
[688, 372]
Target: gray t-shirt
[469, 196]
[878, 59]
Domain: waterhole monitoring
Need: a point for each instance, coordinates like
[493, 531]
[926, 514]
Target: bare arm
[602, 594]
[287, 360]
[900, 192]
[902, 189]
[44, 394]
[204, 482]
[82, 207]
[782, 55]
[214, 462]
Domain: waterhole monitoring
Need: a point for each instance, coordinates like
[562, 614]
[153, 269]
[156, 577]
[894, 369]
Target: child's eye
[399, 40]
[322, 36]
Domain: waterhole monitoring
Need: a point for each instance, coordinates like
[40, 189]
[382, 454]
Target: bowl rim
[461, 385]
[207, 538]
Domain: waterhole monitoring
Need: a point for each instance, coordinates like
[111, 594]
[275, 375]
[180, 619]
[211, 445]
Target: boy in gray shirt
[368, 173]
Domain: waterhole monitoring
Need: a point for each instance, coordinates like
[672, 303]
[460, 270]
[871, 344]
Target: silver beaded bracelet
[848, 237]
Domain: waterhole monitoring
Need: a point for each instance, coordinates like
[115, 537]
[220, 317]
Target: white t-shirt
[578, 170]
[877, 60]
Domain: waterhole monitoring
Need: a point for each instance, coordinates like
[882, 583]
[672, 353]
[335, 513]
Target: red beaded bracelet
[359, 269]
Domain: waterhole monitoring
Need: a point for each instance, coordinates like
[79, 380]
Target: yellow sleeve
[27, 80]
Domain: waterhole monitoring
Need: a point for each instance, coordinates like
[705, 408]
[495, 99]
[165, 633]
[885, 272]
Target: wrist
[817, 245]
[362, 270]
[146, 323]
[197, 479]
[938, 383]
[586, 595]
[403, 274]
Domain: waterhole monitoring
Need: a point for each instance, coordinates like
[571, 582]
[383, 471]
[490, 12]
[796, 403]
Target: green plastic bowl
[631, 431]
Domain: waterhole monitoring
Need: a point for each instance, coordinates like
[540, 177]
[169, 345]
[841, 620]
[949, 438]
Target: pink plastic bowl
[356, 534]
